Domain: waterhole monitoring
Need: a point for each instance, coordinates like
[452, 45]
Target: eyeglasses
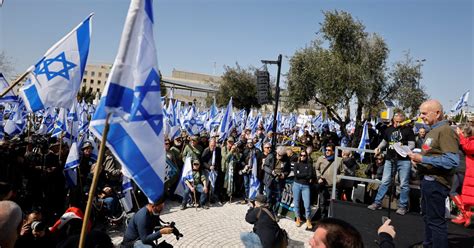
[303, 155]
[267, 147]
[329, 150]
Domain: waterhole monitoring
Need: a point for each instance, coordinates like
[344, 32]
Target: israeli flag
[364, 140]
[127, 188]
[191, 123]
[47, 122]
[213, 111]
[56, 78]
[133, 97]
[10, 96]
[16, 122]
[186, 175]
[173, 129]
[60, 127]
[70, 168]
[461, 102]
[226, 122]
[254, 182]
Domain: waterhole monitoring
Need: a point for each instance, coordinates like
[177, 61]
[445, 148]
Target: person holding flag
[211, 158]
[195, 182]
[250, 156]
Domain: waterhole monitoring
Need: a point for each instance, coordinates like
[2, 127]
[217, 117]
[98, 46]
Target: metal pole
[275, 111]
[94, 182]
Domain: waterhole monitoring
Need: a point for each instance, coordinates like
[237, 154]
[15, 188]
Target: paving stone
[218, 226]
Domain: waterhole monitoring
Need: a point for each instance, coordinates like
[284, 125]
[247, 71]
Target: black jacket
[207, 159]
[304, 172]
[264, 226]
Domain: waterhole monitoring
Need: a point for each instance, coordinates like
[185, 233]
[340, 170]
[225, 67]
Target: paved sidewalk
[219, 226]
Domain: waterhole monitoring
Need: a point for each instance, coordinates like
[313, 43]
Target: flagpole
[94, 183]
[17, 81]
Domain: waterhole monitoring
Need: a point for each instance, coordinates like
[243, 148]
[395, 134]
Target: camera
[175, 230]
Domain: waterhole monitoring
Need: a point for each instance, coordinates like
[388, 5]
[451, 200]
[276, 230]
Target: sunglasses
[167, 144]
[303, 155]
[329, 150]
[267, 147]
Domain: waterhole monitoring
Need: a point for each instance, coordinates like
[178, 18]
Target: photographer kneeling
[266, 231]
[141, 229]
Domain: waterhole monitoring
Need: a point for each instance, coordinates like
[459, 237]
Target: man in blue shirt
[141, 229]
[436, 163]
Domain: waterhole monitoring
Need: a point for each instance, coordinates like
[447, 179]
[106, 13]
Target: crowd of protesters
[32, 175]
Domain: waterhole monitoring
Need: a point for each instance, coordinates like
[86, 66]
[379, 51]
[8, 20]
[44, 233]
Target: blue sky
[193, 35]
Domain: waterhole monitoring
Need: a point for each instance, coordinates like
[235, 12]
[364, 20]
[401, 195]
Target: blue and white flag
[192, 124]
[364, 139]
[461, 102]
[226, 122]
[60, 127]
[186, 175]
[127, 188]
[133, 97]
[172, 127]
[70, 168]
[10, 96]
[254, 182]
[213, 111]
[47, 121]
[16, 122]
[56, 78]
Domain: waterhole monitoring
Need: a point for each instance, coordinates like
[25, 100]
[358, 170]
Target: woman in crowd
[303, 171]
[466, 201]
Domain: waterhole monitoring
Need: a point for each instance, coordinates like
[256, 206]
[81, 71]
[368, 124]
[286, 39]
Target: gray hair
[10, 219]
[281, 150]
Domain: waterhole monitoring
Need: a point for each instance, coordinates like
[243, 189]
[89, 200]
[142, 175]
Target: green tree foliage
[345, 67]
[410, 93]
[240, 84]
[85, 94]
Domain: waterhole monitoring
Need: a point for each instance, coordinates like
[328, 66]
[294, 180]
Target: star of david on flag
[45, 67]
[132, 95]
[56, 78]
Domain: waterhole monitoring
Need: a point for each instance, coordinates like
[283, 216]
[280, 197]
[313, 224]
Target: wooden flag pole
[17, 81]
[94, 182]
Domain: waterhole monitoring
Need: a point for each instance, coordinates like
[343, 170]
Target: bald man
[436, 163]
[10, 223]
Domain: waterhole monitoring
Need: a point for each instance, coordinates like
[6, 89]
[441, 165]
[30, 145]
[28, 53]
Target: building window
[100, 74]
[85, 73]
[92, 73]
[84, 80]
[92, 81]
[106, 75]
[98, 82]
